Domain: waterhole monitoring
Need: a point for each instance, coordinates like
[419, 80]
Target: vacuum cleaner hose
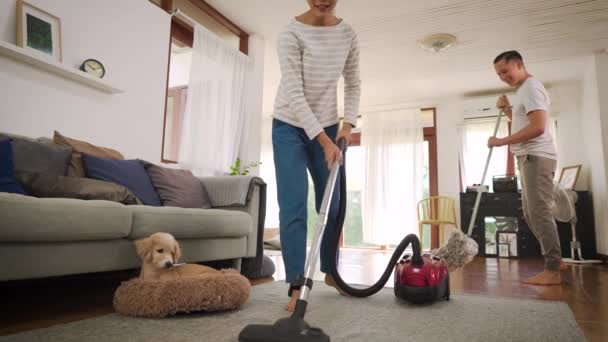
[409, 239]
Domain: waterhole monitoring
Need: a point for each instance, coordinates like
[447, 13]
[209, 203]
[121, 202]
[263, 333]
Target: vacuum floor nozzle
[290, 329]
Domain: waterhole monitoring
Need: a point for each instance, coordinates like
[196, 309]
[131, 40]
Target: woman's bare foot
[295, 294]
[331, 282]
[545, 278]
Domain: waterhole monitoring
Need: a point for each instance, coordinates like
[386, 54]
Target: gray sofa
[44, 237]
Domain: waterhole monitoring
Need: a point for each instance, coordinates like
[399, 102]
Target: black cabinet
[509, 205]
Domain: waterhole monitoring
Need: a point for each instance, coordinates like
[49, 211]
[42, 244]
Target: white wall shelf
[24, 56]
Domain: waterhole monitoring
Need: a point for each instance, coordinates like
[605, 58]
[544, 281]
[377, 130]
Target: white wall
[569, 127]
[601, 65]
[595, 131]
[581, 138]
[131, 39]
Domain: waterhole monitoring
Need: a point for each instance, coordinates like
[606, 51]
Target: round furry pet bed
[225, 290]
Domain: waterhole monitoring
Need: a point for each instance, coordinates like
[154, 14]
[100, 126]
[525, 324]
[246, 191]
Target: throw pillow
[8, 183]
[42, 185]
[178, 188]
[30, 155]
[128, 173]
[79, 147]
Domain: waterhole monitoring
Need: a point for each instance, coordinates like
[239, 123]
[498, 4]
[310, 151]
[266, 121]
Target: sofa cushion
[8, 183]
[75, 168]
[186, 223]
[27, 219]
[178, 188]
[128, 173]
[30, 155]
[43, 185]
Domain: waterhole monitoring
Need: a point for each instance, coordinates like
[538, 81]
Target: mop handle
[483, 178]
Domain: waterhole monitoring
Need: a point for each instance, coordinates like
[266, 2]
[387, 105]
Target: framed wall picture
[503, 250]
[38, 30]
[510, 240]
[569, 175]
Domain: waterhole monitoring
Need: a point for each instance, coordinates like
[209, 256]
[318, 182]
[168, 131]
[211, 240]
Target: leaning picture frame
[503, 250]
[569, 176]
[38, 31]
[510, 240]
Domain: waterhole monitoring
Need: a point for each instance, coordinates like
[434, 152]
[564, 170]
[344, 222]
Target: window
[182, 35]
[355, 167]
[474, 134]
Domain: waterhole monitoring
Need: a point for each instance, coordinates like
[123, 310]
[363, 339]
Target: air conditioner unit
[480, 106]
[485, 105]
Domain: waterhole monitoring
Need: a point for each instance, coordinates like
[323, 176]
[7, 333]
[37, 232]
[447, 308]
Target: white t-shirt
[532, 96]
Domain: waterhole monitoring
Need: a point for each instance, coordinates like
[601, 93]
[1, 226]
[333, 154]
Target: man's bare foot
[295, 294]
[331, 282]
[545, 278]
[562, 266]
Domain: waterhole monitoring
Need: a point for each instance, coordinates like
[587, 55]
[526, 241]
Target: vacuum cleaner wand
[294, 328]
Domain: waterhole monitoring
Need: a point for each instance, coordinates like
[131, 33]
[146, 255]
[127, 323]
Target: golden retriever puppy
[159, 254]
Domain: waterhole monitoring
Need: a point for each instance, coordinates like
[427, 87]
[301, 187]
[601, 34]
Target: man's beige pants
[537, 195]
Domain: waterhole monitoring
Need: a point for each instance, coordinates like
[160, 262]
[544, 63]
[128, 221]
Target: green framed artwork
[38, 30]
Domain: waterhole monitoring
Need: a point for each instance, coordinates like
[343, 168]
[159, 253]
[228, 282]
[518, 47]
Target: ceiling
[552, 35]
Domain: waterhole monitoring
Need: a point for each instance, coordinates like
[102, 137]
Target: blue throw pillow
[8, 183]
[128, 173]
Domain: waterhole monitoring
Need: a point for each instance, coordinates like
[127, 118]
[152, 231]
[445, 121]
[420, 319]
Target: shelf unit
[24, 56]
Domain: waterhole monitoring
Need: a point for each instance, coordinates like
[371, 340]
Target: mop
[461, 248]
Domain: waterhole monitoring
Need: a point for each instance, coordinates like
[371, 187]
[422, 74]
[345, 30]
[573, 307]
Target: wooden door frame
[430, 135]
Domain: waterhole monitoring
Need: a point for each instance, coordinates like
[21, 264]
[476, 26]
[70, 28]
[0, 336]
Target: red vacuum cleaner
[418, 278]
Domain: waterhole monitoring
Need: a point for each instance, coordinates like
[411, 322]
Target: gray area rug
[378, 318]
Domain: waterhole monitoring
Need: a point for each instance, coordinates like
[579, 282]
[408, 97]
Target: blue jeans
[294, 153]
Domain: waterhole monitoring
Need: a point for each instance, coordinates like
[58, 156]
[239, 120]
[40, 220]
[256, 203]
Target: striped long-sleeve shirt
[312, 59]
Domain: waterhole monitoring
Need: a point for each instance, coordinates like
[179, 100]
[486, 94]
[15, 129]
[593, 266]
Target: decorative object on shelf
[510, 240]
[38, 30]
[93, 67]
[473, 188]
[569, 176]
[236, 168]
[503, 250]
[504, 183]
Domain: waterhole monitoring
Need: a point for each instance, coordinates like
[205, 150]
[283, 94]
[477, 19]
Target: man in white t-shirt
[532, 144]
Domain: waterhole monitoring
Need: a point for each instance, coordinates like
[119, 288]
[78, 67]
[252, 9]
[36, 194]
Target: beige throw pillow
[75, 169]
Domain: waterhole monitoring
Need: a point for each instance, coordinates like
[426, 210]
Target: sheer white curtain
[473, 136]
[393, 143]
[215, 115]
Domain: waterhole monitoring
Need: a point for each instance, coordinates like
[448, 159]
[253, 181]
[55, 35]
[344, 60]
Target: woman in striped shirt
[315, 49]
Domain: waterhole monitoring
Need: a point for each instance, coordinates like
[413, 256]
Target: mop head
[459, 251]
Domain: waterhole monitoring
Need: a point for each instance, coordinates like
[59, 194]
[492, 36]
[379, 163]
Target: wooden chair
[436, 210]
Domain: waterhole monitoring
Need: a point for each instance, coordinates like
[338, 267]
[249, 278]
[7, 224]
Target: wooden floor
[42, 303]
